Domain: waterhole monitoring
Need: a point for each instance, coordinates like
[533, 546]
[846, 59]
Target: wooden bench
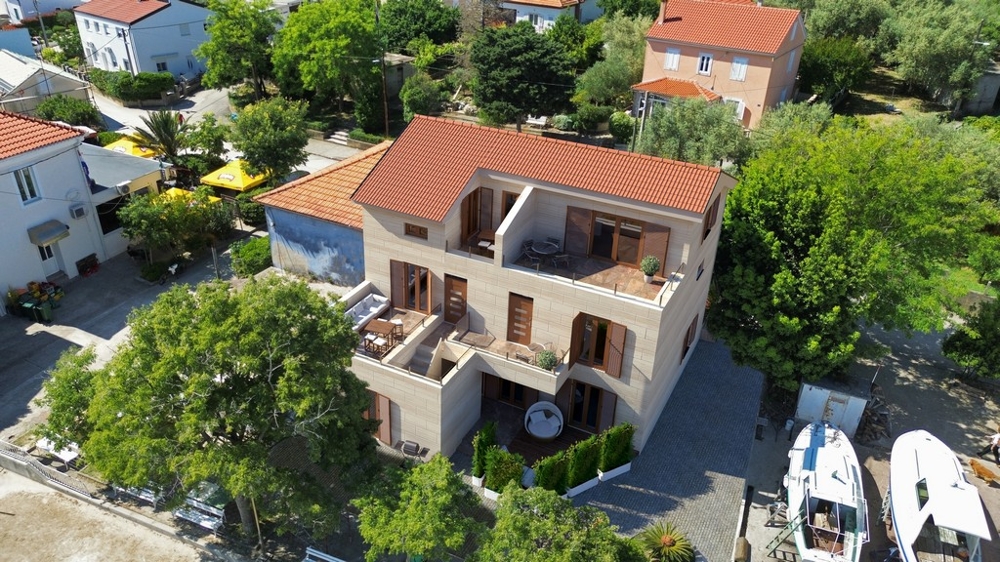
[313, 555]
[541, 121]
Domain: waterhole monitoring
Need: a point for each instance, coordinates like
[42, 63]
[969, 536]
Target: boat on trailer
[826, 502]
[936, 513]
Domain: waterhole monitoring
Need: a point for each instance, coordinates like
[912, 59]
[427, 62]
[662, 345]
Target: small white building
[45, 202]
[26, 82]
[143, 35]
[543, 13]
[25, 9]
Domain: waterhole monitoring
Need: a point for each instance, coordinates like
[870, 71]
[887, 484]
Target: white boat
[936, 513]
[826, 503]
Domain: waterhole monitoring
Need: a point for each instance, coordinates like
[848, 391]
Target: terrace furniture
[382, 328]
[397, 328]
[366, 309]
[560, 258]
[543, 421]
[545, 248]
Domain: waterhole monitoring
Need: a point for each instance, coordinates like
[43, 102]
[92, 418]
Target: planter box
[478, 481]
[576, 491]
[617, 471]
[490, 494]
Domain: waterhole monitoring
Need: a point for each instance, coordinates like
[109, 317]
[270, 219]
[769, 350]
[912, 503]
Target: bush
[53, 56]
[616, 446]
[589, 116]
[485, 439]
[584, 458]
[562, 122]
[242, 95]
[251, 256]
[69, 110]
[65, 18]
[662, 541]
[503, 467]
[420, 94]
[361, 135]
[546, 360]
[123, 86]
[550, 472]
[621, 126]
[153, 271]
[251, 212]
[104, 138]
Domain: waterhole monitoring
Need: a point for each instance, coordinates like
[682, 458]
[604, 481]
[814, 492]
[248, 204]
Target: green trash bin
[44, 311]
[29, 310]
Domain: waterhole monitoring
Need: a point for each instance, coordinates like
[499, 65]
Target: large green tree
[693, 130]
[164, 134]
[831, 230]
[210, 383]
[609, 81]
[324, 46]
[519, 72]
[427, 515]
[583, 43]
[973, 345]
[830, 66]
[163, 223]
[403, 21]
[537, 525]
[630, 8]
[239, 43]
[272, 136]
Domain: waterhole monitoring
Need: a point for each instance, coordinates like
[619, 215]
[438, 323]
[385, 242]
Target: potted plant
[485, 439]
[546, 359]
[649, 266]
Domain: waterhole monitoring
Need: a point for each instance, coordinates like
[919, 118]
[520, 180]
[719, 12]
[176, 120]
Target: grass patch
[883, 88]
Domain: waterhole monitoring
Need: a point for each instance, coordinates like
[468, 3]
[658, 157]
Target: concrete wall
[308, 246]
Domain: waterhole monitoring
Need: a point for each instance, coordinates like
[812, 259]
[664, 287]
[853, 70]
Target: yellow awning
[125, 146]
[177, 193]
[232, 176]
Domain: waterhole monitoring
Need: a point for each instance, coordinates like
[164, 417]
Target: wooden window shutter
[711, 217]
[383, 410]
[656, 242]
[616, 350]
[576, 341]
[578, 224]
[609, 400]
[563, 397]
[491, 386]
[485, 208]
[466, 218]
[397, 282]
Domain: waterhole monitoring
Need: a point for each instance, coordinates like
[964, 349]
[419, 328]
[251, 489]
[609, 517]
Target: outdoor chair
[560, 258]
[531, 256]
[554, 240]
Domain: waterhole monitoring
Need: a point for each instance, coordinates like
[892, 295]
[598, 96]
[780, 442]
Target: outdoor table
[382, 328]
[545, 248]
[67, 455]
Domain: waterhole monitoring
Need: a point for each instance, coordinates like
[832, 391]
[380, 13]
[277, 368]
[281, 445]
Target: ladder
[886, 503]
[794, 523]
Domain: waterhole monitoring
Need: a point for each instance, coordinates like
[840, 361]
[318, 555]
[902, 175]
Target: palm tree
[662, 542]
[165, 134]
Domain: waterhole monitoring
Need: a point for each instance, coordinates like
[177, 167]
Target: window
[791, 61]
[17, 14]
[701, 269]
[26, 185]
[923, 495]
[114, 59]
[86, 24]
[416, 231]
[127, 65]
[739, 70]
[616, 238]
[711, 217]
[380, 409]
[107, 214]
[738, 107]
[107, 29]
[45, 252]
[535, 19]
[704, 63]
[509, 199]
[185, 29]
[599, 343]
[119, 32]
[161, 67]
[690, 337]
[671, 61]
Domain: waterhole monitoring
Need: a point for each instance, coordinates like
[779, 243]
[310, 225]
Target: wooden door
[456, 291]
[591, 408]
[519, 313]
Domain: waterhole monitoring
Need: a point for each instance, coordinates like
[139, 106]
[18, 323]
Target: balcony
[605, 274]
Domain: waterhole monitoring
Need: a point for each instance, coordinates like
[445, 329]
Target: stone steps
[339, 137]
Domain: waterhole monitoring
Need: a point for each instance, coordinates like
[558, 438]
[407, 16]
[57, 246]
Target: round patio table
[545, 248]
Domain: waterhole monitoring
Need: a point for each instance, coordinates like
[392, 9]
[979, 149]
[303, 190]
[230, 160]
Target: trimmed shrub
[251, 256]
[361, 135]
[123, 86]
[621, 126]
[583, 460]
[104, 138]
[550, 472]
[251, 212]
[589, 116]
[485, 439]
[562, 122]
[503, 467]
[70, 110]
[616, 446]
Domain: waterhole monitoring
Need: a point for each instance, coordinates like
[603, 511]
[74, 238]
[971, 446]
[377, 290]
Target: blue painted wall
[309, 246]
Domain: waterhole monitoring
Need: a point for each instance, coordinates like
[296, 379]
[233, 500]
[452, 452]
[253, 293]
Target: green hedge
[485, 439]
[251, 256]
[584, 458]
[550, 472]
[251, 212]
[589, 116]
[360, 135]
[621, 126]
[616, 446]
[123, 86]
[503, 467]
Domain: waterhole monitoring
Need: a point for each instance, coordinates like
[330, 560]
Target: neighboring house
[660, 91]
[17, 41]
[26, 82]
[315, 228]
[542, 14]
[143, 35]
[115, 178]
[742, 51]
[24, 9]
[397, 69]
[448, 213]
[45, 202]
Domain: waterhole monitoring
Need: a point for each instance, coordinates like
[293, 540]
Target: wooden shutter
[398, 283]
[576, 341]
[616, 350]
[578, 224]
[711, 217]
[485, 208]
[530, 396]
[607, 418]
[655, 242]
[383, 411]
[466, 216]
[563, 397]
[491, 386]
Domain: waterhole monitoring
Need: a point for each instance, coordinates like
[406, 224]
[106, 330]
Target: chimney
[663, 10]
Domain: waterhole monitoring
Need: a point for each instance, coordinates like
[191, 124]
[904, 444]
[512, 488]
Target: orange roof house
[20, 134]
[314, 226]
[745, 53]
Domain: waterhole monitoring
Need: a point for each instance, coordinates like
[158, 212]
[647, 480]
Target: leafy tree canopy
[162, 222]
[973, 345]
[693, 130]
[208, 136]
[239, 43]
[210, 383]
[537, 525]
[428, 515]
[272, 136]
[630, 8]
[851, 19]
[581, 42]
[830, 66]
[784, 125]
[420, 94]
[520, 72]
[828, 231]
[609, 81]
[164, 134]
[69, 110]
[405, 20]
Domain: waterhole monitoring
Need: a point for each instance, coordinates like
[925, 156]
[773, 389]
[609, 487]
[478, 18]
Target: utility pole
[128, 57]
[381, 46]
[41, 20]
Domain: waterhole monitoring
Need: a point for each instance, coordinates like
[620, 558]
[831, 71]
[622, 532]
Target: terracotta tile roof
[558, 4]
[424, 172]
[326, 194]
[20, 134]
[676, 88]
[125, 11]
[726, 25]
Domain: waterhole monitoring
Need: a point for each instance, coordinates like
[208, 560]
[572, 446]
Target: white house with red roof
[24, 9]
[743, 52]
[494, 247]
[542, 14]
[45, 201]
[143, 35]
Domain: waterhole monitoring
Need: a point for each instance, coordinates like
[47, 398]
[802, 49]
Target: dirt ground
[39, 523]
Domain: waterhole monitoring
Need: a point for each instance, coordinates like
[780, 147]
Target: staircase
[421, 362]
[785, 532]
[339, 137]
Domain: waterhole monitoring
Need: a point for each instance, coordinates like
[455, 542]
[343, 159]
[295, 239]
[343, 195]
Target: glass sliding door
[616, 238]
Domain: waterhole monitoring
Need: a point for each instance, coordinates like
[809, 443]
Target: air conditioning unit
[77, 211]
[122, 188]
